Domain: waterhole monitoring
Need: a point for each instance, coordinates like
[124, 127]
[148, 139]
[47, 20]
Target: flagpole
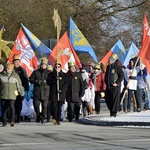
[57, 23]
[122, 99]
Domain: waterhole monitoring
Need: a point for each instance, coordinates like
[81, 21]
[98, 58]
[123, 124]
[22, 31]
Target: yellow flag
[57, 22]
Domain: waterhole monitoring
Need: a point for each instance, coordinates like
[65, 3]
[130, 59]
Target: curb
[112, 123]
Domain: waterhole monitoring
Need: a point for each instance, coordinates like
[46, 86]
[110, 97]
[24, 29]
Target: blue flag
[79, 42]
[40, 49]
[132, 52]
[117, 49]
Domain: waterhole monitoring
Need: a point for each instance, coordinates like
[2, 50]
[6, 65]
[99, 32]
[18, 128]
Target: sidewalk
[123, 119]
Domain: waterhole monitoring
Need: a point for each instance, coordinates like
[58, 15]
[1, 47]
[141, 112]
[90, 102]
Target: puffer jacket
[10, 86]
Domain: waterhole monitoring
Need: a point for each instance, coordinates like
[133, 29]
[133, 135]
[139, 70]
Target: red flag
[64, 52]
[23, 48]
[145, 28]
[145, 52]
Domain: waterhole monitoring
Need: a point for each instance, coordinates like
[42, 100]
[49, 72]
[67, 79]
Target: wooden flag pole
[122, 99]
[57, 23]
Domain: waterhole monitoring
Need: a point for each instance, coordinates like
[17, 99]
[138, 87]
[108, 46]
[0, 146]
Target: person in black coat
[41, 90]
[58, 84]
[75, 91]
[25, 82]
[113, 78]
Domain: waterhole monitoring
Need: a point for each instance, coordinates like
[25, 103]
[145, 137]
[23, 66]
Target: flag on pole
[145, 28]
[57, 22]
[64, 53]
[132, 53]
[144, 53]
[40, 49]
[79, 42]
[23, 48]
[118, 49]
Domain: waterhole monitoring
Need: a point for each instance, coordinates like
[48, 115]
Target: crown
[49, 67]
[97, 66]
[70, 64]
[44, 61]
[16, 57]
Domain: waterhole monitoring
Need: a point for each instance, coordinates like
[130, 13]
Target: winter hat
[10, 66]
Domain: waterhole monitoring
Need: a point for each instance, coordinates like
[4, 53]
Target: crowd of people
[51, 89]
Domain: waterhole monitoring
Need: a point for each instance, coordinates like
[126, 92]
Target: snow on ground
[143, 116]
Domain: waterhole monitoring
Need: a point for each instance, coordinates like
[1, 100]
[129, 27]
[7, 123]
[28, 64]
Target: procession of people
[80, 89]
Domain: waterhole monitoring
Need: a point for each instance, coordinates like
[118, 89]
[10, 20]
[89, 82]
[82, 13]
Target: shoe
[125, 110]
[70, 120]
[114, 114]
[128, 110]
[37, 120]
[54, 121]
[4, 124]
[134, 109]
[43, 121]
[12, 124]
[139, 110]
[48, 119]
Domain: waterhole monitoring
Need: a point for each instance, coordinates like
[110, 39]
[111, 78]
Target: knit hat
[10, 66]
[91, 64]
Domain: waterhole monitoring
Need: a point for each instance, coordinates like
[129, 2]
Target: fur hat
[70, 64]
[10, 66]
[16, 57]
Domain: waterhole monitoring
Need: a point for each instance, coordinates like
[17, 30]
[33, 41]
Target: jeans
[147, 99]
[139, 93]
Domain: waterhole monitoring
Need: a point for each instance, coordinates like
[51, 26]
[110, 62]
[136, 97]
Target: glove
[102, 94]
[59, 91]
[42, 82]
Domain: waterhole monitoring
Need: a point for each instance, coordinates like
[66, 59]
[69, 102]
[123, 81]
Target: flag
[40, 49]
[23, 48]
[118, 49]
[132, 52]
[79, 42]
[145, 28]
[144, 53]
[57, 22]
[64, 53]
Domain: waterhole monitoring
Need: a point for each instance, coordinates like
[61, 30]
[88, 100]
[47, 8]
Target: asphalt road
[72, 136]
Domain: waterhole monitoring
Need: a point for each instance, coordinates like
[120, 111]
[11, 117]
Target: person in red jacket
[99, 85]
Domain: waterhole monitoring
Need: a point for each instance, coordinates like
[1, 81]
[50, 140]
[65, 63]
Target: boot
[91, 110]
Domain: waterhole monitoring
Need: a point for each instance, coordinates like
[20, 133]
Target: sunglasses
[57, 66]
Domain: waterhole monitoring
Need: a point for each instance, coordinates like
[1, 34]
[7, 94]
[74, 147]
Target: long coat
[114, 74]
[10, 86]
[53, 79]
[75, 89]
[41, 89]
[23, 76]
